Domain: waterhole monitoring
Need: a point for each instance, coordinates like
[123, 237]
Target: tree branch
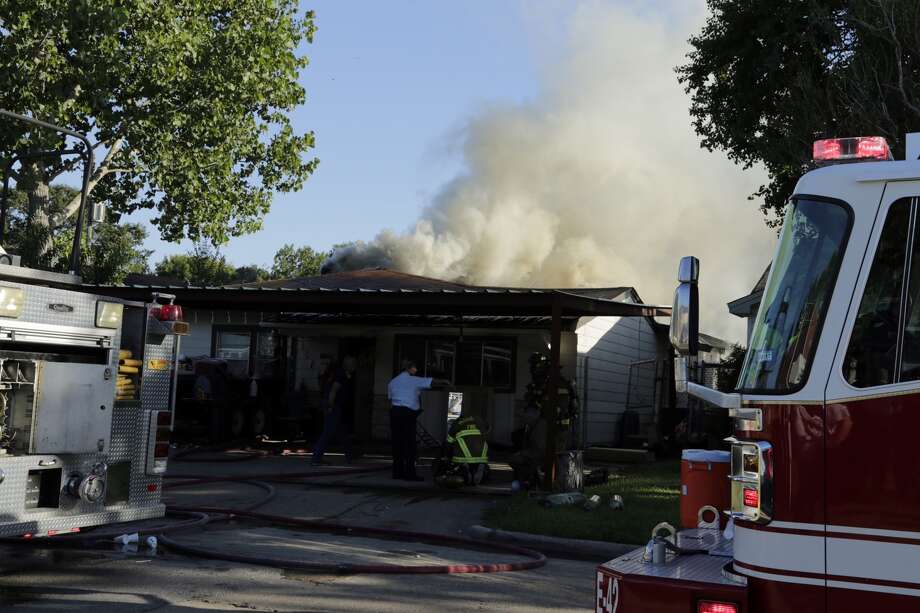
[101, 171]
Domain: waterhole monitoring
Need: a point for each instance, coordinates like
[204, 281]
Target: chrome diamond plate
[699, 567]
[129, 437]
[37, 310]
[156, 384]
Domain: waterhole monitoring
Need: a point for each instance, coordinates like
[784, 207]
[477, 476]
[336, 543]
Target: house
[746, 307]
[278, 336]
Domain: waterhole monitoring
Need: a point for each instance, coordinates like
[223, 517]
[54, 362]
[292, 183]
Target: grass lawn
[651, 493]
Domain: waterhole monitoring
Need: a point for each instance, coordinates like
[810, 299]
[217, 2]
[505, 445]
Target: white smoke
[599, 182]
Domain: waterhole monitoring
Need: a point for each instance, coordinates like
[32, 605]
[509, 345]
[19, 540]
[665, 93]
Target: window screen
[474, 362]
[874, 356]
[496, 363]
[234, 348]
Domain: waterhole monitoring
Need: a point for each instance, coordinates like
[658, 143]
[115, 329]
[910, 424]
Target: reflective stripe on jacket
[480, 448]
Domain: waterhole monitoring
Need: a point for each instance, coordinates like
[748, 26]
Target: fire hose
[198, 517]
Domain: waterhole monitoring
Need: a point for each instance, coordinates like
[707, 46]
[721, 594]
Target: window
[439, 362]
[496, 363]
[233, 346]
[410, 348]
[471, 361]
[883, 347]
[249, 351]
[791, 315]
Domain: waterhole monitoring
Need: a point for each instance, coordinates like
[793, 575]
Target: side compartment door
[872, 417]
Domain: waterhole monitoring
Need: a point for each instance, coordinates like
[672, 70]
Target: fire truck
[86, 387]
[825, 487]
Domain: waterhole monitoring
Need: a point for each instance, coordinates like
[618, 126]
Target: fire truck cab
[824, 486]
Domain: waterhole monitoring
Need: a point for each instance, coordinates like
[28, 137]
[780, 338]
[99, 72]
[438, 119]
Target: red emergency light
[169, 312]
[846, 149]
[751, 497]
[709, 606]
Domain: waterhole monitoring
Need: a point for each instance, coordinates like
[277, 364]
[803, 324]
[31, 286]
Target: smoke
[600, 181]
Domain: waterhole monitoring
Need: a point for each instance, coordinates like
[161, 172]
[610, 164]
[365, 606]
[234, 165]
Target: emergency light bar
[848, 149]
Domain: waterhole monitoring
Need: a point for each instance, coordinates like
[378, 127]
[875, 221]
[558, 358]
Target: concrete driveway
[66, 580]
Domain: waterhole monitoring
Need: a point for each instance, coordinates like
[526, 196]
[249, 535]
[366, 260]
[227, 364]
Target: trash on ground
[592, 503]
[564, 499]
[127, 539]
[617, 503]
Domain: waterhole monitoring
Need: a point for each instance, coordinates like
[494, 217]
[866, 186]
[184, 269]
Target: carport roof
[387, 292]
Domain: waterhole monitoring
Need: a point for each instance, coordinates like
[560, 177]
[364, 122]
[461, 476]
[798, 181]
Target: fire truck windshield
[795, 300]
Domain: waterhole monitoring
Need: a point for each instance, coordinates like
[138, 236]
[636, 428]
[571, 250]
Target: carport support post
[550, 409]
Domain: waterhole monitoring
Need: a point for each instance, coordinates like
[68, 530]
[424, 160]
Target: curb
[577, 548]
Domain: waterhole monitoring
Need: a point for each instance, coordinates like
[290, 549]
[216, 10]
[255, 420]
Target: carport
[388, 297]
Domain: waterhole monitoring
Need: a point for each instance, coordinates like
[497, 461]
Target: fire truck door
[872, 419]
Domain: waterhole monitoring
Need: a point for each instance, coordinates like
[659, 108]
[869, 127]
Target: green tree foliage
[291, 262]
[111, 250]
[250, 274]
[768, 78]
[730, 368]
[204, 265]
[187, 102]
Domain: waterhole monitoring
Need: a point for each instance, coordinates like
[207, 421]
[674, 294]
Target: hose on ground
[199, 479]
[188, 455]
[536, 560]
[96, 538]
[200, 516]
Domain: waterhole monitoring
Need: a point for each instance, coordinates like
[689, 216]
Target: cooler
[704, 481]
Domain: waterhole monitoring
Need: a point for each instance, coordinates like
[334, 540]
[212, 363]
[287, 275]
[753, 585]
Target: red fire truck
[825, 493]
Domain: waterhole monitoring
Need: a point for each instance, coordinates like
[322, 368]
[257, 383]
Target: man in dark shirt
[339, 407]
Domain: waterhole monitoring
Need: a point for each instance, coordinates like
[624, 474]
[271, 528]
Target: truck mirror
[689, 270]
[684, 330]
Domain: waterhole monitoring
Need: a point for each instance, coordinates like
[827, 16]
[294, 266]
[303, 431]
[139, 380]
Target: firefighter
[526, 462]
[465, 457]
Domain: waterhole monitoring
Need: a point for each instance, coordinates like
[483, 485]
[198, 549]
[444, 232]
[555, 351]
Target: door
[364, 350]
[872, 419]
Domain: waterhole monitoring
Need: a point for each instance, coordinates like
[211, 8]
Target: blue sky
[389, 87]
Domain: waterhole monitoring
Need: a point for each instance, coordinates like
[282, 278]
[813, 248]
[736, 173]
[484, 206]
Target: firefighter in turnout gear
[465, 457]
[527, 461]
[537, 395]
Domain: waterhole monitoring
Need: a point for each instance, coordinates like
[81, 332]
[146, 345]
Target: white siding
[606, 348]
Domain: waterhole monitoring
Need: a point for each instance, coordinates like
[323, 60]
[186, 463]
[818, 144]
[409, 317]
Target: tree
[768, 78]
[186, 102]
[730, 368]
[114, 251]
[204, 265]
[111, 250]
[291, 262]
[250, 274]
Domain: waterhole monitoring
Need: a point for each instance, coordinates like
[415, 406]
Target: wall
[198, 341]
[606, 348]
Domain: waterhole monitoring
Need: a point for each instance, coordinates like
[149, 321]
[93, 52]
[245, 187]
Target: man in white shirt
[403, 392]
